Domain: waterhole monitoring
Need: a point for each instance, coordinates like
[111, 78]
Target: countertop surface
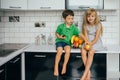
[20, 49]
[111, 49]
[51, 48]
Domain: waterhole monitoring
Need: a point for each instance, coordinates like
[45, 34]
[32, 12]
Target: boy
[64, 33]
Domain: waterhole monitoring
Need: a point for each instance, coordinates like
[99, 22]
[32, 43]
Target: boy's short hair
[67, 12]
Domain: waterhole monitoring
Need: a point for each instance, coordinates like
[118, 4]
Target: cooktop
[8, 48]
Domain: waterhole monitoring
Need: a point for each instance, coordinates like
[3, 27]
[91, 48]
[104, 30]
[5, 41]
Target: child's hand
[62, 37]
[87, 46]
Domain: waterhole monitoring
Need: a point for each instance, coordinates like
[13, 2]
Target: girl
[92, 29]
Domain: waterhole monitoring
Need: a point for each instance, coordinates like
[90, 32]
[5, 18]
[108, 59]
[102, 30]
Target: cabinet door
[2, 72]
[111, 4]
[39, 66]
[119, 62]
[76, 68]
[84, 4]
[14, 4]
[13, 69]
[46, 4]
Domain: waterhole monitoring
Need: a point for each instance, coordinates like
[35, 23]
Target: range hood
[84, 4]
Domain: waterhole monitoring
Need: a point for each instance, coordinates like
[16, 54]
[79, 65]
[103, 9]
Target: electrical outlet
[40, 24]
[102, 18]
[43, 24]
[37, 24]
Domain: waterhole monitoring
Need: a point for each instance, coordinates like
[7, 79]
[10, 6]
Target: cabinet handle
[15, 60]
[14, 7]
[40, 56]
[1, 70]
[81, 7]
[78, 56]
[45, 7]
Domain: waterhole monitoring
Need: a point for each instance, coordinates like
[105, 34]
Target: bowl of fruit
[76, 42]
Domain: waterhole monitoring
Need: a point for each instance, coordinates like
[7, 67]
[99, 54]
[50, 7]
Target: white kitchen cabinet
[46, 4]
[111, 4]
[84, 4]
[14, 4]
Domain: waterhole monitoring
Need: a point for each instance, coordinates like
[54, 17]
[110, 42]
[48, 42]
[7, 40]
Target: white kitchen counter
[111, 49]
[5, 59]
[51, 48]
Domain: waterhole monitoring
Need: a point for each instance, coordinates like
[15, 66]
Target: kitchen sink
[8, 48]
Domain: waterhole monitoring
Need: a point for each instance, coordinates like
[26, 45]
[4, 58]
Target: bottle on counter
[50, 40]
[43, 39]
[37, 40]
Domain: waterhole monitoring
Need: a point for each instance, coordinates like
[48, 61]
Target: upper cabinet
[111, 4]
[46, 4]
[14, 4]
[84, 4]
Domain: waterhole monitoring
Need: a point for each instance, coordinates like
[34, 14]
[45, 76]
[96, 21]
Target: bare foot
[88, 76]
[56, 73]
[83, 77]
[63, 70]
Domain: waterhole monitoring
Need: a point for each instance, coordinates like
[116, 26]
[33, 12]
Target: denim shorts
[61, 44]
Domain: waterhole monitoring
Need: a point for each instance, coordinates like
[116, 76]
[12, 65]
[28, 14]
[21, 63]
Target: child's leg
[57, 60]
[88, 75]
[88, 64]
[66, 58]
[84, 56]
[84, 59]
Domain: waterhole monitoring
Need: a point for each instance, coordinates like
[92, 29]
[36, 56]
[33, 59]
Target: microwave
[84, 4]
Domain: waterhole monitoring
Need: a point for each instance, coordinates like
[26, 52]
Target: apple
[87, 47]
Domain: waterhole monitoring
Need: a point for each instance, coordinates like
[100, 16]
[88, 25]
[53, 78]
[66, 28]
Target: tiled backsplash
[24, 30]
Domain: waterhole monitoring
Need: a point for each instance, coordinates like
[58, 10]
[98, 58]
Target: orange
[76, 44]
[80, 41]
[76, 39]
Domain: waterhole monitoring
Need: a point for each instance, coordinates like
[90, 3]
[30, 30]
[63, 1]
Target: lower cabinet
[13, 69]
[2, 72]
[39, 66]
[75, 67]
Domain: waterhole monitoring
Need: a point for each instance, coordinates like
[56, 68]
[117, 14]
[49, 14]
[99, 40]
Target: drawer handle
[45, 7]
[40, 56]
[78, 56]
[15, 60]
[14, 7]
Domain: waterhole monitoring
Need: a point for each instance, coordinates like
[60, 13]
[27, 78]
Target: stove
[8, 48]
[6, 52]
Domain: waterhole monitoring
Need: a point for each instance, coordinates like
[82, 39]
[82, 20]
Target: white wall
[1, 30]
[25, 32]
